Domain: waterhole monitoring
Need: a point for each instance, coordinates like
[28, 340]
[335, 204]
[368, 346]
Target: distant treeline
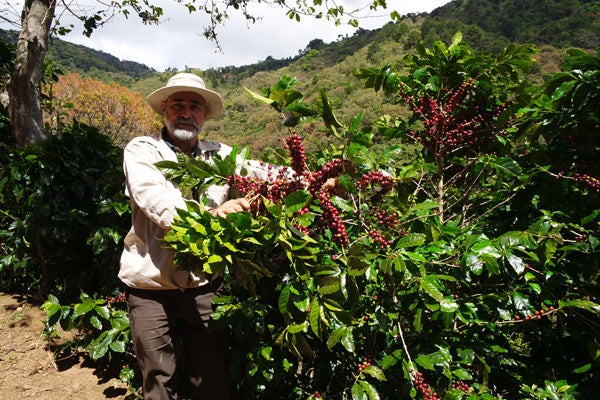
[88, 62]
[486, 24]
[559, 23]
[329, 54]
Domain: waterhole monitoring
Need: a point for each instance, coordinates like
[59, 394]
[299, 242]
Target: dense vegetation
[461, 263]
[487, 25]
[328, 66]
[89, 62]
[462, 270]
[116, 111]
[560, 23]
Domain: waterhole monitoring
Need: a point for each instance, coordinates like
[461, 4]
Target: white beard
[183, 134]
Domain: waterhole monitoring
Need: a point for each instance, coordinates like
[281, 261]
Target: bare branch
[9, 14]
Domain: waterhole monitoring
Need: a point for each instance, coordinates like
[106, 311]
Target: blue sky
[178, 42]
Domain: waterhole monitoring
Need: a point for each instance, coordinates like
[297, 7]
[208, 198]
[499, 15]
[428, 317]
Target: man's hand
[231, 206]
[333, 184]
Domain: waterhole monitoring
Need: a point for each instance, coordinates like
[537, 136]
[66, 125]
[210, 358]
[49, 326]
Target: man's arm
[147, 186]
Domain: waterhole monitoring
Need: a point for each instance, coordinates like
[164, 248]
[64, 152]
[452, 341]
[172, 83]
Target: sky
[177, 42]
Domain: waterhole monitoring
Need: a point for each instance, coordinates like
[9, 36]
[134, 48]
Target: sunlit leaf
[284, 298]
[375, 372]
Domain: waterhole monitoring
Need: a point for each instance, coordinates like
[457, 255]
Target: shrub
[64, 214]
[432, 277]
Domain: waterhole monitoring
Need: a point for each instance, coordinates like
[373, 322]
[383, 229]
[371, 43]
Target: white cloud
[178, 41]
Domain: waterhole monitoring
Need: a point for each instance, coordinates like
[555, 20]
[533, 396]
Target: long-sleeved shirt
[145, 263]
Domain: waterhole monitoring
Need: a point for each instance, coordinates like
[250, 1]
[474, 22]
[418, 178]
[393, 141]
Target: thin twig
[51, 357]
[410, 362]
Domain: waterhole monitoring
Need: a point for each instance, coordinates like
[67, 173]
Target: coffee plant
[447, 274]
[102, 332]
[63, 214]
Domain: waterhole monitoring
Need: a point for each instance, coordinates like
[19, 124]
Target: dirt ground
[28, 368]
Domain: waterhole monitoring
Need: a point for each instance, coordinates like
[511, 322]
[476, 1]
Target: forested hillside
[74, 58]
[456, 258]
[560, 23]
[488, 25]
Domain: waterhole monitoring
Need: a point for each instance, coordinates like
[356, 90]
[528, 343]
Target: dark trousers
[161, 318]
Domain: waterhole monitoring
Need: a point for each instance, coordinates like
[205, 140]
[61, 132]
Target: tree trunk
[24, 86]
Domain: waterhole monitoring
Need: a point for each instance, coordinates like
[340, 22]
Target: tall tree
[25, 111]
[24, 91]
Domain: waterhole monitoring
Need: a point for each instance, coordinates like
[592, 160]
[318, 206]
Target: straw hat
[185, 82]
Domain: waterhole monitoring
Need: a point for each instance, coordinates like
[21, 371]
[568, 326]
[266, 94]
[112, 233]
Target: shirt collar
[205, 148]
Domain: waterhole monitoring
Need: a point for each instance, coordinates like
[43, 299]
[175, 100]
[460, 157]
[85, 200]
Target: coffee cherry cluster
[277, 188]
[380, 240]
[317, 179]
[302, 228]
[376, 300]
[384, 218]
[458, 96]
[272, 190]
[537, 314]
[297, 154]
[331, 217]
[426, 390]
[366, 362]
[453, 120]
[111, 300]
[460, 385]
[374, 179]
[316, 395]
[590, 181]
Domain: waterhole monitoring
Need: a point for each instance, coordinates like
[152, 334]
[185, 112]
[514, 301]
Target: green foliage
[245, 124]
[7, 60]
[96, 64]
[440, 29]
[449, 281]
[562, 23]
[461, 104]
[551, 390]
[491, 276]
[64, 213]
[560, 137]
[107, 337]
[73, 58]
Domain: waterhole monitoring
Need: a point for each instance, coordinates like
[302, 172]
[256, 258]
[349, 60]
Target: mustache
[186, 121]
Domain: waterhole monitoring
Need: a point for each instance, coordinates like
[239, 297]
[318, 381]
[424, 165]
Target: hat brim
[214, 101]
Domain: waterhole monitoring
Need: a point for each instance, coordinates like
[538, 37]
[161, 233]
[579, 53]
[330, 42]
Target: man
[167, 305]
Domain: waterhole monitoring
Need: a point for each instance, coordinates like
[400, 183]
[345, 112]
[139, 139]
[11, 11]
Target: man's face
[184, 114]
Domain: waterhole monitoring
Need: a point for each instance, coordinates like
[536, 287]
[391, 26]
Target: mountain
[74, 58]
[97, 64]
[560, 23]
[486, 24]
[489, 25]
[553, 25]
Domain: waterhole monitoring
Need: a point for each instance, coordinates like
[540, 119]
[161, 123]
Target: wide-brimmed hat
[185, 82]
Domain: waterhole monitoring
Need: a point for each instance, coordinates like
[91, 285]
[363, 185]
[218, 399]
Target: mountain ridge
[330, 66]
[486, 24]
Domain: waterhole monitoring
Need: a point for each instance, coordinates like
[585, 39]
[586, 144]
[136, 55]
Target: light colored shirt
[145, 263]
